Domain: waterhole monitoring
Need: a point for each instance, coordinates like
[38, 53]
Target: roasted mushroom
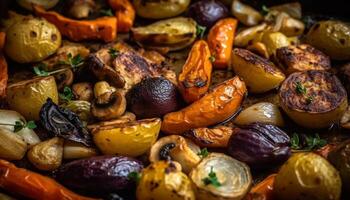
[83, 91]
[109, 103]
[80, 8]
[178, 149]
[64, 78]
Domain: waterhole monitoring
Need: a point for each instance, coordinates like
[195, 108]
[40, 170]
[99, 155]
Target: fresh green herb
[200, 31]
[265, 10]
[212, 59]
[19, 125]
[309, 99]
[113, 52]
[75, 61]
[203, 153]
[134, 176]
[211, 179]
[67, 94]
[299, 88]
[106, 12]
[311, 142]
[39, 69]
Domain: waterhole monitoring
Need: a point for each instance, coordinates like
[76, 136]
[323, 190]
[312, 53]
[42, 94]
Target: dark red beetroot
[99, 174]
[153, 97]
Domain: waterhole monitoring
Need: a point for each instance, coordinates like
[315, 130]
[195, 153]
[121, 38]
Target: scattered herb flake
[309, 99]
[19, 125]
[39, 69]
[211, 179]
[134, 176]
[212, 59]
[299, 88]
[31, 125]
[294, 141]
[75, 61]
[203, 153]
[310, 142]
[67, 94]
[113, 52]
[265, 10]
[200, 30]
[106, 12]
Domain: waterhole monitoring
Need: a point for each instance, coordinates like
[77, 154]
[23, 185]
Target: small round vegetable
[331, 37]
[27, 4]
[207, 12]
[340, 159]
[245, 14]
[32, 40]
[164, 180]
[263, 112]
[307, 176]
[27, 97]
[160, 9]
[130, 139]
[219, 176]
[313, 99]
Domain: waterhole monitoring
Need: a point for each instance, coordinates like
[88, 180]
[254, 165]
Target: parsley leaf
[211, 179]
[39, 69]
[19, 125]
[299, 88]
[309, 99]
[315, 142]
[113, 52]
[294, 141]
[106, 12]
[309, 142]
[200, 30]
[203, 153]
[67, 94]
[75, 61]
[31, 125]
[134, 176]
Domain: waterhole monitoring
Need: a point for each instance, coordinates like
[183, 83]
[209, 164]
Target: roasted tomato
[313, 99]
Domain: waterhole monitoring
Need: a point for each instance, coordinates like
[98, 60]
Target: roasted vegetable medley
[173, 100]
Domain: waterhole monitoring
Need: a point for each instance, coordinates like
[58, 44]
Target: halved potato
[128, 139]
[273, 41]
[302, 58]
[313, 99]
[176, 33]
[27, 97]
[259, 74]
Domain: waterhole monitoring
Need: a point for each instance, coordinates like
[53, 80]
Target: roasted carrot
[2, 40]
[124, 12]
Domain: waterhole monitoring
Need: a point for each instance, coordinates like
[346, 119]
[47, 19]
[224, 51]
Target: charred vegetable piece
[220, 40]
[219, 176]
[259, 145]
[154, 97]
[195, 77]
[63, 123]
[125, 13]
[258, 73]
[32, 40]
[302, 58]
[99, 174]
[313, 99]
[83, 91]
[129, 139]
[104, 28]
[245, 14]
[208, 12]
[339, 157]
[307, 176]
[262, 112]
[47, 155]
[20, 181]
[216, 106]
[28, 96]
[331, 37]
[160, 9]
[178, 149]
[175, 34]
[164, 180]
[81, 108]
[3, 75]
[216, 137]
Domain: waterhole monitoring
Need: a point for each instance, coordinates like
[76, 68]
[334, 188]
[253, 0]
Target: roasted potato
[32, 40]
[273, 41]
[176, 33]
[160, 9]
[313, 99]
[331, 37]
[307, 176]
[164, 180]
[47, 155]
[27, 97]
[129, 139]
[302, 58]
[259, 74]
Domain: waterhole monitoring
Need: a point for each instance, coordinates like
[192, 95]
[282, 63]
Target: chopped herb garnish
[201, 31]
[309, 99]
[294, 141]
[39, 69]
[211, 179]
[67, 94]
[310, 142]
[134, 176]
[212, 59]
[299, 88]
[19, 125]
[75, 61]
[265, 10]
[113, 52]
[203, 153]
[106, 12]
